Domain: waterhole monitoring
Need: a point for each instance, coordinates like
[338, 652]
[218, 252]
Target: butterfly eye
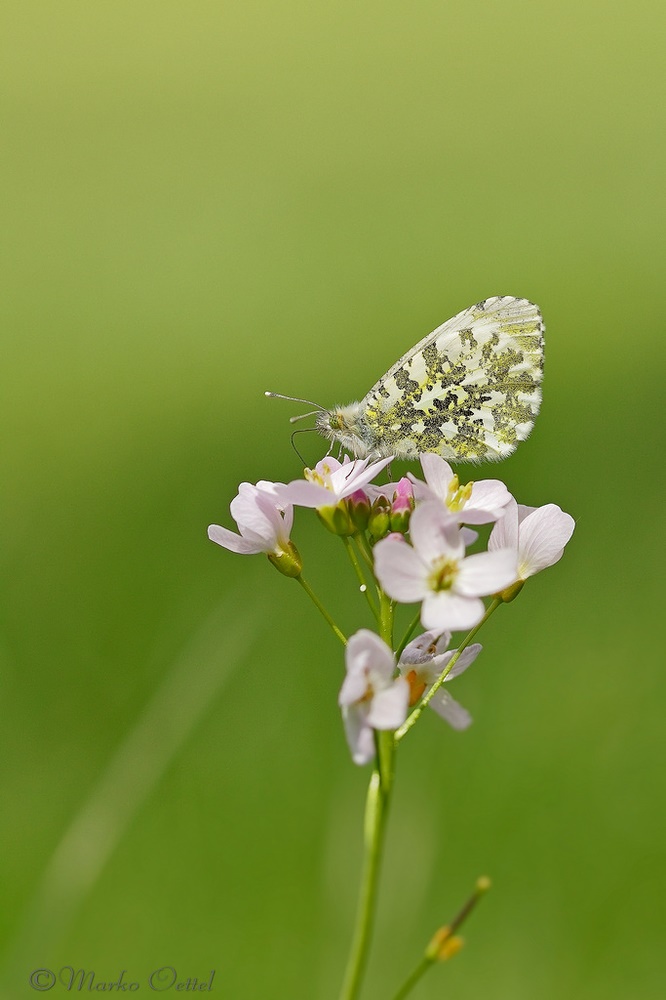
[336, 423]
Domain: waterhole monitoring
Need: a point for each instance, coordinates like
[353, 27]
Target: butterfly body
[469, 391]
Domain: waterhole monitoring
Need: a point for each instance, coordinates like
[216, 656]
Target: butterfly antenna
[301, 430]
[302, 416]
[295, 399]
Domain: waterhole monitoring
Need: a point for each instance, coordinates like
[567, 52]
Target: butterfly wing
[469, 391]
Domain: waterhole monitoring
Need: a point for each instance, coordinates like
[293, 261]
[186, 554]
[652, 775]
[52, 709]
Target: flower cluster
[412, 537]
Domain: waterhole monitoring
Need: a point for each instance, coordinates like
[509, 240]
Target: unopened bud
[450, 948]
[443, 945]
[359, 509]
[337, 519]
[288, 561]
[379, 522]
[437, 942]
[511, 592]
[402, 506]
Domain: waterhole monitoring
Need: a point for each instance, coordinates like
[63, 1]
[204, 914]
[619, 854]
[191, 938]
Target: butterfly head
[345, 425]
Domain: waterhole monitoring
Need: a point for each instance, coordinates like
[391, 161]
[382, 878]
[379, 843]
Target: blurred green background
[205, 200]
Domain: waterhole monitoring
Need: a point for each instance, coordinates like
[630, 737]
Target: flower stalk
[374, 831]
[444, 943]
[412, 550]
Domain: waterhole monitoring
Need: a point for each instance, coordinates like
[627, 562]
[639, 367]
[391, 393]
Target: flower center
[444, 572]
[457, 495]
[416, 687]
[316, 477]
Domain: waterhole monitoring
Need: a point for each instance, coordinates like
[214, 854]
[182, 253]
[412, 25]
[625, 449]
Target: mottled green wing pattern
[469, 391]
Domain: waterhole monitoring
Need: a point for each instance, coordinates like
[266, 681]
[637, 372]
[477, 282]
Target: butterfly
[469, 391]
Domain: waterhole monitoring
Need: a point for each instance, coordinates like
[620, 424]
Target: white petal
[486, 573]
[449, 709]
[434, 532]
[306, 494]
[543, 535]
[251, 510]
[400, 571]
[438, 474]
[346, 481]
[368, 652]
[448, 610]
[418, 650]
[354, 688]
[523, 511]
[468, 536]
[230, 540]
[388, 708]
[430, 671]
[487, 502]
[360, 736]
[505, 533]
[466, 658]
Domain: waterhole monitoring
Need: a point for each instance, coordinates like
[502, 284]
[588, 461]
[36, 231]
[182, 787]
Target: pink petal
[346, 480]
[233, 542]
[253, 516]
[306, 494]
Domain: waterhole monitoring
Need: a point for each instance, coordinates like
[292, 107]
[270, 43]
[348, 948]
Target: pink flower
[424, 660]
[434, 570]
[264, 522]
[474, 503]
[370, 697]
[331, 481]
[537, 536]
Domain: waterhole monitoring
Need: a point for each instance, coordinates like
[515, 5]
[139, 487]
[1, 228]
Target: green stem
[376, 812]
[364, 548]
[413, 978]
[359, 575]
[433, 952]
[413, 718]
[320, 607]
[408, 634]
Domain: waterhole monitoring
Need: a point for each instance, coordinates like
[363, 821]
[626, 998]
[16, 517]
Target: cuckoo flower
[474, 503]
[370, 697]
[435, 571]
[264, 522]
[424, 660]
[537, 535]
[331, 481]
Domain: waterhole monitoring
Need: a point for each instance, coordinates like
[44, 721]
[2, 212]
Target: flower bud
[512, 592]
[379, 522]
[288, 561]
[359, 509]
[337, 519]
[402, 506]
[443, 945]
